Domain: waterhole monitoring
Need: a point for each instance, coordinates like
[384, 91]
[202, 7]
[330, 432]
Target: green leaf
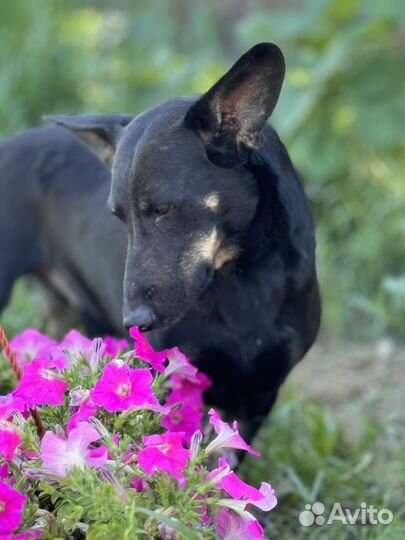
[186, 533]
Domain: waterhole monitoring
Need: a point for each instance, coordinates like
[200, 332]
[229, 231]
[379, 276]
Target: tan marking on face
[224, 255]
[203, 249]
[208, 249]
[211, 201]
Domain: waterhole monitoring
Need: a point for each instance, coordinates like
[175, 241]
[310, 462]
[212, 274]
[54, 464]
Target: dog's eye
[162, 211]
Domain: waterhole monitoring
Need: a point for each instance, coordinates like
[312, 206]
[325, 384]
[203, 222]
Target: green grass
[24, 309]
[309, 454]
[310, 451]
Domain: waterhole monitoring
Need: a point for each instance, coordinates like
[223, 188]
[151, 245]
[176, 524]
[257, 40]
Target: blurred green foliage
[326, 463]
[341, 113]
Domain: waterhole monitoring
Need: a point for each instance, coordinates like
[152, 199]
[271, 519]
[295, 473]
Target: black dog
[216, 231]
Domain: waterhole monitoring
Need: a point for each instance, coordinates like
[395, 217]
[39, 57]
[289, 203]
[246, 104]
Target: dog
[214, 246]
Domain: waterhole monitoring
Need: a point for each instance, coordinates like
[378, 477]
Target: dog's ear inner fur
[230, 116]
[100, 132]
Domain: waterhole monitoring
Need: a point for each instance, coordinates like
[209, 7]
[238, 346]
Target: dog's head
[181, 185]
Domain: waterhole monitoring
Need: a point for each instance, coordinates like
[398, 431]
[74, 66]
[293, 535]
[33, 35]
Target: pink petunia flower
[227, 437]
[165, 453]
[4, 471]
[215, 476]
[230, 526]
[86, 410]
[186, 419]
[113, 347]
[145, 352]
[205, 516]
[42, 383]
[30, 344]
[10, 404]
[9, 437]
[189, 391]
[121, 388]
[59, 456]
[75, 347]
[10, 440]
[181, 365]
[140, 485]
[11, 508]
[76, 344]
[264, 497]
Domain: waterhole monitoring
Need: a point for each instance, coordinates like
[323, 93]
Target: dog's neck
[280, 228]
[269, 232]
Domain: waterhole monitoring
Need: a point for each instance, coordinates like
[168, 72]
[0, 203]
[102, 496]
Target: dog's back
[19, 189]
[50, 185]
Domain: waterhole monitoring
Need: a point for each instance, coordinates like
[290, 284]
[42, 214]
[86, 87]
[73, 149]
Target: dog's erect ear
[230, 116]
[100, 132]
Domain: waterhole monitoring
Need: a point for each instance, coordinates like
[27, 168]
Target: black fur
[216, 243]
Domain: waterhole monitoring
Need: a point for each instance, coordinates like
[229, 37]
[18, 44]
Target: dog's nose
[142, 316]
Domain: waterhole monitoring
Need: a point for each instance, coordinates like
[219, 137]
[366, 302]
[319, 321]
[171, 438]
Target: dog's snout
[142, 316]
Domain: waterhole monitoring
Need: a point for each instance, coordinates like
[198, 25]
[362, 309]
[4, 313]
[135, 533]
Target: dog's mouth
[167, 321]
[170, 304]
[147, 320]
[159, 320]
[165, 324]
